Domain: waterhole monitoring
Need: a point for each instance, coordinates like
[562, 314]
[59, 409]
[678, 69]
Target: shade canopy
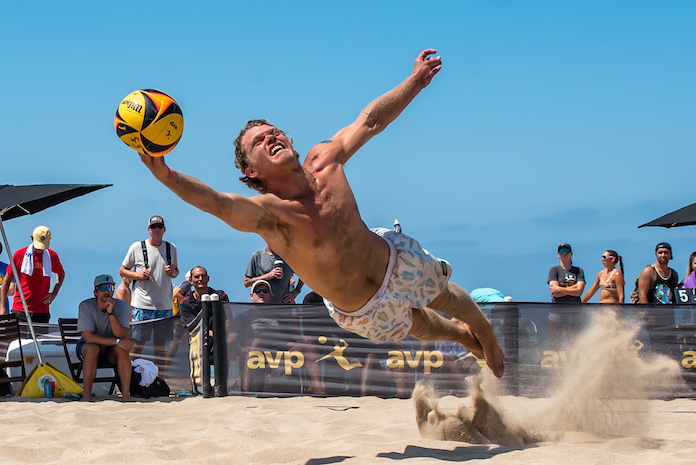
[683, 217]
[16, 201]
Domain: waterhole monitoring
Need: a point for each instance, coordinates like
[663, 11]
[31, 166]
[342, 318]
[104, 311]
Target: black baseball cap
[155, 220]
[565, 246]
[663, 245]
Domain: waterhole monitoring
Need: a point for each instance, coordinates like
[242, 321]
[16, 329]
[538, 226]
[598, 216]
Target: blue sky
[550, 122]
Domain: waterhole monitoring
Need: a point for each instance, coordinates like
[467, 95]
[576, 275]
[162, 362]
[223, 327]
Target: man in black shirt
[190, 306]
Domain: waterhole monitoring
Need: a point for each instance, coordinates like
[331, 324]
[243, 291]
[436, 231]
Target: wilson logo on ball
[149, 121]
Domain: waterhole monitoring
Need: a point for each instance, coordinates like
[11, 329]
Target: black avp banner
[299, 350]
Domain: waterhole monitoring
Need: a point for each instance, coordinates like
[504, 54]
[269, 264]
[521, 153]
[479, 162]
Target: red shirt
[36, 285]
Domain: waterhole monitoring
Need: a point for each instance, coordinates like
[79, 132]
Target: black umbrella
[683, 217]
[16, 201]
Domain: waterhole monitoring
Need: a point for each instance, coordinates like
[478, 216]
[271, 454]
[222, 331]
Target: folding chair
[9, 331]
[70, 337]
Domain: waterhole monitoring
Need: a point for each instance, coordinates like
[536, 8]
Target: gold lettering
[273, 362]
[289, 364]
[413, 363]
[396, 359]
[550, 359]
[428, 361]
[689, 360]
[256, 360]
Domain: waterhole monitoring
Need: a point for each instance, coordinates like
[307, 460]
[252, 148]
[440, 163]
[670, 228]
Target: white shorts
[413, 279]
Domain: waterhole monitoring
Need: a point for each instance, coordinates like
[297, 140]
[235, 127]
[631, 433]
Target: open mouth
[276, 148]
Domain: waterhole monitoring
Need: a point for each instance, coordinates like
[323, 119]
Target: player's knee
[419, 323]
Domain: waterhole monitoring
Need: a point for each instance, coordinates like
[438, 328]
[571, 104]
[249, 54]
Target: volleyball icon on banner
[149, 121]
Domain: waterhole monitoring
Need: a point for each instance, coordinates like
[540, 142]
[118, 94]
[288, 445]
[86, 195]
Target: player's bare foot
[484, 345]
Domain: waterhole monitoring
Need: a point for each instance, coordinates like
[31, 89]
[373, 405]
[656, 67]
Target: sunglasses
[105, 288]
[606, 257]
[262, 291]
[157, 226]
[564, 251]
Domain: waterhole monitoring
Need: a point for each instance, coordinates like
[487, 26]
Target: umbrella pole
[18, 287]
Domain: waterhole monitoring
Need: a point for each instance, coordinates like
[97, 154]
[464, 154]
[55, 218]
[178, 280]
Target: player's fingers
[425, 53]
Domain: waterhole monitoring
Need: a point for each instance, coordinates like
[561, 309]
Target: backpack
[144, 247]
[635, 296]
[169, 253]
[158, 388]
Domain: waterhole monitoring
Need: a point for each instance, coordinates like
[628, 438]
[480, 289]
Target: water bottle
[71, 396]
[397, 227]
[48, 390]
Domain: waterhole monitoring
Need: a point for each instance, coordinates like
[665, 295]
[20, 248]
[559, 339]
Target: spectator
[657, 282]
[689, 281]
[123, 291]
[152, 264]
[190, 306]
[104, 322]
[11, 288]
[182, 290]
[34, 263]
[610, 280]
[268, 266]
[261, 329]
[566, 281]
[247, 332]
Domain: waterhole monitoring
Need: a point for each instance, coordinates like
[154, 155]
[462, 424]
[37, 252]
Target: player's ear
[250, 172]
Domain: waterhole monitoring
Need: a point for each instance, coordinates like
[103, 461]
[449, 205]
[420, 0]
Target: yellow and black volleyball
[149, 121]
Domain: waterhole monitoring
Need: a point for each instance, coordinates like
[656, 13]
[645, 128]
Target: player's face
[266, 143]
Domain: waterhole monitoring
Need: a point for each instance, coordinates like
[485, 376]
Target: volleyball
[149, 121]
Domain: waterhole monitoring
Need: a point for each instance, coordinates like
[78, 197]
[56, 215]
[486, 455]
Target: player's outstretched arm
[240, 212]
[386, 108]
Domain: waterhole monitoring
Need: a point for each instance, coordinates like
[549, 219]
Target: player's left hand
[426, 66]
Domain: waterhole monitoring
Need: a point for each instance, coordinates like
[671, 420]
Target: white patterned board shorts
[413, 279]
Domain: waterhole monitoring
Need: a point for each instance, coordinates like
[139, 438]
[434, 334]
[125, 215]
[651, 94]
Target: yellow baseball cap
[41, 237]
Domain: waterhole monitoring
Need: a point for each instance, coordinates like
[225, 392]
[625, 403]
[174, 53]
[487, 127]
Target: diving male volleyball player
[379, 284]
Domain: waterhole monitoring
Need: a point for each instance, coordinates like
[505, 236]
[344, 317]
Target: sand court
[303, 430]
[600, 409]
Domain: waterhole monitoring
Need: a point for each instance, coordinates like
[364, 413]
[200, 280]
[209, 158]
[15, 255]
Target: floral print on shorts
[414, 278]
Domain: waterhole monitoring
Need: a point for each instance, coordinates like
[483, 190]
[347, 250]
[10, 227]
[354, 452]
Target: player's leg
[429, 326]
[456, 302]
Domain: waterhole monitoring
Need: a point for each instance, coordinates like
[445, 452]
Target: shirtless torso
[321, 235]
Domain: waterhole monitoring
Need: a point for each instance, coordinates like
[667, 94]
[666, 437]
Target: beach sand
[367, 430]
[600, 410]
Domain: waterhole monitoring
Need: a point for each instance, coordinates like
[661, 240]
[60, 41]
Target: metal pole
[219, 346]
[18, 287]
[205, 356]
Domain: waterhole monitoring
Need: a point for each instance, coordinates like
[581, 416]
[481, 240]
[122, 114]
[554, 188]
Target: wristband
[118, 339]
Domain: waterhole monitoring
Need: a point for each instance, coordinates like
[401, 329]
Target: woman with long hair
[689, 282]
[610, 280]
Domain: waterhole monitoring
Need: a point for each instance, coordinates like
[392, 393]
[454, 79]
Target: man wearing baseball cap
[151, 264]
[657, 282]
[566, 281]
[104, 323]
[34, 263]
